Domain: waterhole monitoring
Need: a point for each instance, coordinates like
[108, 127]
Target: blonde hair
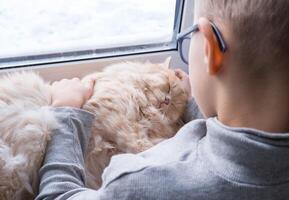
[259, 29]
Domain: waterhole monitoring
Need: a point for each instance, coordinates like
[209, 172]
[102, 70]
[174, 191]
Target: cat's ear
[167, 62]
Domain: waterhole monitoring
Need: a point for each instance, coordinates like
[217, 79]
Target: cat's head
[165, 90]
[161, 87]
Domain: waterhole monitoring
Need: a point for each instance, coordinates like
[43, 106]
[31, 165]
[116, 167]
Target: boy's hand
[71, 92]
[185, 81]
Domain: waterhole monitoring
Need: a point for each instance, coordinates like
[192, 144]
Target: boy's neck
[257, 109]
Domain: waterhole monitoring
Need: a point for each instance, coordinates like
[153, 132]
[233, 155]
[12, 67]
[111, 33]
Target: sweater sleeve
[62, 174]
[192, 112]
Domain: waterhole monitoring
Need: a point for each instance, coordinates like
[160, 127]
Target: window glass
[29, 28]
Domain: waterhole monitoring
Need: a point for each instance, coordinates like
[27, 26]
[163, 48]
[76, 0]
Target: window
[49, 31]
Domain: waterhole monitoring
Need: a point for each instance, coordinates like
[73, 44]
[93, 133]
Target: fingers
[62, 81]
[89, 85]
[71, 92]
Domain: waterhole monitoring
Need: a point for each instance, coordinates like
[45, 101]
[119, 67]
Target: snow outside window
[47, 31]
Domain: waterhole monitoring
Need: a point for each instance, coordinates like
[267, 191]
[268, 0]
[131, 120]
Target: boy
[239, 79]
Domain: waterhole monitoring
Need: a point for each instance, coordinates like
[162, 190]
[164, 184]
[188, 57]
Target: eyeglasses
[181, 37]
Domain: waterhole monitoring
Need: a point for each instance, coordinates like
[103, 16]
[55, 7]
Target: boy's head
[256, 33]
[258, 30]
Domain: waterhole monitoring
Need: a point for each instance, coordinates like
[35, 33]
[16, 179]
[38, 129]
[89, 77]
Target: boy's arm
[192, 112]
[62, 174]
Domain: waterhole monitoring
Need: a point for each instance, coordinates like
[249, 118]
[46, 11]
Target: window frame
[78, 68]
[85, 55]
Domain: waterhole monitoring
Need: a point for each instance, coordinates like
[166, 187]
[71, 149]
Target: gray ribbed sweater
[205, 160]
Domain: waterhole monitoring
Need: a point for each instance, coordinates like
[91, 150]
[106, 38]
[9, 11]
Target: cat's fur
[136, 105]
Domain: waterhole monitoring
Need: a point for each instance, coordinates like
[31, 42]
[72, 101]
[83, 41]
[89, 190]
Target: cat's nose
[167, 100]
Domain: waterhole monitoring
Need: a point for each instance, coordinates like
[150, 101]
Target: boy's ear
[167, 62]
[213, 54]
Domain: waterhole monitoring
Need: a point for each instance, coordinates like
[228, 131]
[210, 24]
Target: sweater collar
[246, 155]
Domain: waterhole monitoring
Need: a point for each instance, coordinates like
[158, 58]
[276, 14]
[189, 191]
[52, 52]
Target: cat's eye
[169, 89]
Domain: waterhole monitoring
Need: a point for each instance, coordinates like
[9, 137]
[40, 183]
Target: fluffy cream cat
[136, 105]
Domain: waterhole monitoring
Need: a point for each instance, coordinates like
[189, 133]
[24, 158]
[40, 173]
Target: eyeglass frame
[193, 29]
